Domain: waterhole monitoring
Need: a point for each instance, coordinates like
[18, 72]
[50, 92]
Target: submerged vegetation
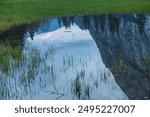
[77, 87]
[23, 71]
[120, 69]
[14, 12]
[6, 53]
[20, 69]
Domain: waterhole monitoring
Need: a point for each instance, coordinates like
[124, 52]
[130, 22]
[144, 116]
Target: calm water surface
[82, 57]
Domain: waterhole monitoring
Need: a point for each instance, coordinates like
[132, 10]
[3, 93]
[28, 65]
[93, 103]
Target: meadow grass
[15, 12]
[6, 53]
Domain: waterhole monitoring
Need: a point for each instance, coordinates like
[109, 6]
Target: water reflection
[65, 58]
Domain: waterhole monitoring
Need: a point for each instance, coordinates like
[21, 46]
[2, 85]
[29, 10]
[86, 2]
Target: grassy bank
[14, 12]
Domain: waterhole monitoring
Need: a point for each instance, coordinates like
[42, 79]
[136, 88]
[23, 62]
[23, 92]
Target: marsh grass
[15, 12]
[27, 65]
[80, 88]
[6, 53]
[96, 83]
[68, 62]
[119, 68]
[23, 70]
[83, 88]
[34, 69]
[77, 87]
[87, 91]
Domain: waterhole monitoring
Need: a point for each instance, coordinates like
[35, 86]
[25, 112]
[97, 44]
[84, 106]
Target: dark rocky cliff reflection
[124, 44]
[123, 41]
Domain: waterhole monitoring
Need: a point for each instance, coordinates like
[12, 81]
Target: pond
[98, 57]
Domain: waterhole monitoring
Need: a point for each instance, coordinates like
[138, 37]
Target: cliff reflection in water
[123, 42]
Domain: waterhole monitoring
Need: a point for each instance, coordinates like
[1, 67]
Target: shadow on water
[78, 57]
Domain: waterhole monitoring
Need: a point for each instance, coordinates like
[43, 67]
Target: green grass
[5, 54]
[15, 12]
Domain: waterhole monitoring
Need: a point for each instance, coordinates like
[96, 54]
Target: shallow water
[83, 57]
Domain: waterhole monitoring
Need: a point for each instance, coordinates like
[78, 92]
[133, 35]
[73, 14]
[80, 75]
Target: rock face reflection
[123, 42]
[125, 48]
